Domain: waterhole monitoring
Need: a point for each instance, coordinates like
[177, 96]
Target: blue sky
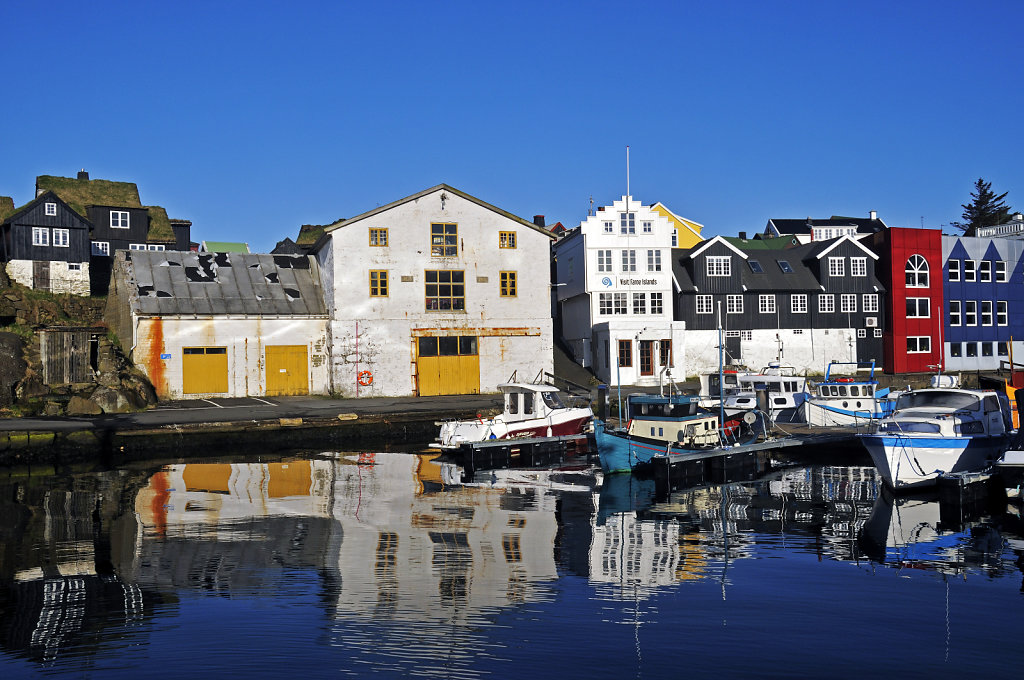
[252, 118]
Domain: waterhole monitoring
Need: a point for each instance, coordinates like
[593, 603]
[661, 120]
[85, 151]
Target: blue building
[982, 281]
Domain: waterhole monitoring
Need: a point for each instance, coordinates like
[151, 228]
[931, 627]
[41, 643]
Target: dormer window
[718, 265]
[119, 219]
[836, 266]
[51, 209]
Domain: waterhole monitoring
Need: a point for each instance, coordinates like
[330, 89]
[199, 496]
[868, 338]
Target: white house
[436, 293]
[615, 292]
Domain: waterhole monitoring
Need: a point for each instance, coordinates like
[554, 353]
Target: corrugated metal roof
[173, 283]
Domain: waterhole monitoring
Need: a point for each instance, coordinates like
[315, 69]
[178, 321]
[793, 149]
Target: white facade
[615, 291]
[808, 350]
[485, 286]
[65, 277]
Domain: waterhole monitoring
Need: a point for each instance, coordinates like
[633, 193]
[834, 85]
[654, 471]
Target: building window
[61, 237]
[506, 239]
[378, 283]
[918, 308]
[100, 248]
[665, 352]
[625, 353]
[40, 236]
[639, 303]
[734, 304]
[378, 237]
[921, 344]
[156, 246]
[604, 304]
[444, 239]
[136, 246]
[972, 349]
[870, 302]
[1000, 271]
[718, 265]
[74, 266]
[746, 335]
[119, 219]
[629, 260]
[985, 271]
[619, 300]
[836, 266]
[798, 303]
[956, 350]
[862, 333]
[826, 303]
[656, 304]
[878, 332]
[970, 313]
[445, 289]
[611, 303]
[675, 238]
[858, 266]
[627, 223]
[848, 302]
[954, 270]
[970, 267]
[609, 227]
[986, 349]
[1001, 349]
[766, 304]
[986, 312]
[654, 260]
[647, 227]
[1001, 315]
[704, 304]
[917, 272]
[508, 284]
[51, 209]
[604, 260]
[798, 331]
[954, 313]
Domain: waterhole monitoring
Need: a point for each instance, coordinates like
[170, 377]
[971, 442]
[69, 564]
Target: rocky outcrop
[12, 366]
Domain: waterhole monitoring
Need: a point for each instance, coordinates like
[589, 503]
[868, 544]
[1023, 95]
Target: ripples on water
[357, 564]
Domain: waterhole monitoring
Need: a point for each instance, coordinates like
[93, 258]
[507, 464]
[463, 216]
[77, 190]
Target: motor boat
[843, 400]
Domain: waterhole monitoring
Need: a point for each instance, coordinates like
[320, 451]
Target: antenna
[627, 176]
[590, 210]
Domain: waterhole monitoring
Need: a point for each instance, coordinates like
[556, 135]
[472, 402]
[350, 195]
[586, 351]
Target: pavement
[254, 409]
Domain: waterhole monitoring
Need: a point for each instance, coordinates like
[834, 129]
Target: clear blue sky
[251, 118]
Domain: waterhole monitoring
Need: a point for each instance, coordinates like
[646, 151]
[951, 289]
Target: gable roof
[694, 252]
[46, 197]
[224, 247]
[864, 225]
[79, 193]
[822, 248]
[693, 227]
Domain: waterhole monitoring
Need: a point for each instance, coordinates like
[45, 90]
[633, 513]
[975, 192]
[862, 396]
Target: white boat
[848, 400]
[530, 410]
[785, 390]
[936, 431]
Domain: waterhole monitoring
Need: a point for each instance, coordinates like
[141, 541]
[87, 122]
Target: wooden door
[448, 365]
[41, 275]
[287, 369]
[646, 357]
[204, 370]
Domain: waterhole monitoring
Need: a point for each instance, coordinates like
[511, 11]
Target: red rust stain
[153, 361]
[158, 506]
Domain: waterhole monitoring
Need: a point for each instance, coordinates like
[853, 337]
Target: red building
[910, 266]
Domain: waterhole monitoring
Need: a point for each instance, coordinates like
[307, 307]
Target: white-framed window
[1002, 349]
[919, 344]
[985, 271]
[862, 333]
[870, 302]
[970, 312]
[657, 307]
[837, 266]
[675, 238]
[858, 266]
[647, 227]
[970, 270]
[619, 303]
[918, 308]
[954, 270]
[639, 303]
[136, 246]
[156, 246]
[766, 304]
[746, 336]
[40, 236]
[61, 238]
[848, 302]
[627, 223]
[986, 312]
[733, 304]
[74, 266]
[826, 303]
[798, 331]
[51, 209]
[917, 272]
[1001, 314]
[878, 332]
[629, 260]
[100, 248]
[654, 260]
[604, 304]
[609, 227]
[1001, 271]
[705, 304]
[604, 260]
[718, 265]
[798, 303]
[611, 303]
[119, 219]
[954, 313]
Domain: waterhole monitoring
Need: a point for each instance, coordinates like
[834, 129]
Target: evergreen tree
[986, 209]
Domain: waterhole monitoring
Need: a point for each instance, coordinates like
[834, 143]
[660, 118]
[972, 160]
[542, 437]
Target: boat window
[527, 403]
[842, 390]
[512, 402]
[898, 427]
[938, 399]
[552, 400]
[991, 404]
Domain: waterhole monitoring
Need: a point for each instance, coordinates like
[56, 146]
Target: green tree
[986, 209]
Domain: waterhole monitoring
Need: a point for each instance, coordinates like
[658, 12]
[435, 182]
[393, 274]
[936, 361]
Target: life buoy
[365, 378]
[844, 380]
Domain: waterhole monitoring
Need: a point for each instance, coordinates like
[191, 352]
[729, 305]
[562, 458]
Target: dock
[518, 452]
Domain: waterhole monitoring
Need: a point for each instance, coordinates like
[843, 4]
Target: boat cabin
[676, 419]
[524, 401]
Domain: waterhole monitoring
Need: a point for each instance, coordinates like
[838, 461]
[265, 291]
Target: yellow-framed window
[379, 237]
[445, 290]
[378, 283]
[508, 284]
[506, 239]
[444, 239]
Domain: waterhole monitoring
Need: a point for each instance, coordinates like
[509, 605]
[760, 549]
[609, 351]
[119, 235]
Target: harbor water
[340, 564]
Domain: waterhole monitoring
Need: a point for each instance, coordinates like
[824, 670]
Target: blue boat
[848, 400]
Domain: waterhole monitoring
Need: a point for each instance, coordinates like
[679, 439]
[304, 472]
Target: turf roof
[159, 225]
[310, 233]
[6, 207]
[78, 193]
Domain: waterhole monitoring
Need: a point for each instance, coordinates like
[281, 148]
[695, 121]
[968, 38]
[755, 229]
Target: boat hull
[910, 462]
[831, 413]
[454, 434]
[619, 452]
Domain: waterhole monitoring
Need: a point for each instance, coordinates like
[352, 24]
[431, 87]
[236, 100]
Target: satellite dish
[750, 417]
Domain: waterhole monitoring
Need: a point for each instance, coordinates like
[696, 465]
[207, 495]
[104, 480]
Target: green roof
[6, 207]
[78, 193]
[225, 247]
[159, 225]
[311, 233]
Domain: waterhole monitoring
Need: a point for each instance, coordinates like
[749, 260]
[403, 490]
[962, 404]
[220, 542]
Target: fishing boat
[529, 410]
[938, 430]
[844, 400]
[785, 392]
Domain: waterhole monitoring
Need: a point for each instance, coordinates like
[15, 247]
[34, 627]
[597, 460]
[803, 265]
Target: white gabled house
[435, 293]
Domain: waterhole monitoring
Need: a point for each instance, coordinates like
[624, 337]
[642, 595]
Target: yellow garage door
[448, 365]
[287, 370]
[204, 370]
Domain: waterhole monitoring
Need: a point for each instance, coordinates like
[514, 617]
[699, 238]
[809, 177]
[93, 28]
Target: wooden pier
[520, 452]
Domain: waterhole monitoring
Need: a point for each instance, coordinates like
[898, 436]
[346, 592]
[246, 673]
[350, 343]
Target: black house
[45, 245]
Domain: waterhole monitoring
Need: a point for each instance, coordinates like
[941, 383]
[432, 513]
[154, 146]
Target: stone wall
[63, 279]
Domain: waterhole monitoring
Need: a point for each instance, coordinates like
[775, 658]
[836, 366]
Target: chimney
[873, 215]
[743, 235]
[82, 174]
[1018, 218]
[539, 220]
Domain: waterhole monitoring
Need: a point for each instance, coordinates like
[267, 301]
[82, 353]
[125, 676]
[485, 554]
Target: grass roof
[309, 234]
[79, 193]
[6, 207]
[159, 224]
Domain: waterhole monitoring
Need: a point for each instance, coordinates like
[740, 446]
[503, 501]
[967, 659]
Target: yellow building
[687, 232]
